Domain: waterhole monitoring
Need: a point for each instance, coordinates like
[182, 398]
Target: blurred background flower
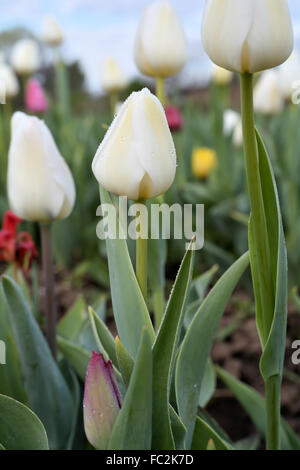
[35, 98]
[204, 161]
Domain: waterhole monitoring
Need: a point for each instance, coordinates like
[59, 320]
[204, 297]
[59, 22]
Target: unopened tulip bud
[247, 35]
[237, 137]
[35, 98]
[8, 80]
[230, 121]
[267, 94]
[113, 78]
[221, 76]
[160, 48]
[204, 161]
[51, 32]
[40, 184]
[137, 157]
[102, 402]
[289, 75]
[25, 57]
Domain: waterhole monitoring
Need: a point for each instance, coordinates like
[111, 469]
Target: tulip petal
[154, 143]
[270, 38]
[116, 165]
[225, 29]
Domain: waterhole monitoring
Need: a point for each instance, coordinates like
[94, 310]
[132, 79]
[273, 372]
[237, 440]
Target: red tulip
[16, 248]
[174, 118]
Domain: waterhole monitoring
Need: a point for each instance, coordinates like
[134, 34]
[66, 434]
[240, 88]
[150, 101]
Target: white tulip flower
[137, 157]
[237, 137]
[51, 31]
[8, 80]
[267, 96]
[289, 75]
[40, 184]
[160, 47]
[113, 78]
[25, 57]
[247, 35]
[230, 120]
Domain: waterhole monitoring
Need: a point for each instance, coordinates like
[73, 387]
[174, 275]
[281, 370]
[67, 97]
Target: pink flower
[35, 98]
[174, 118]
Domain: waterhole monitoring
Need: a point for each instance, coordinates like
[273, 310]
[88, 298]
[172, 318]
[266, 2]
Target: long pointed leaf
[196, 346]
[48, 394]
[255, 406]
[132, 429]
[164, 354]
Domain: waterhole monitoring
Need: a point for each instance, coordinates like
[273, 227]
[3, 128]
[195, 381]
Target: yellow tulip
[204, 161]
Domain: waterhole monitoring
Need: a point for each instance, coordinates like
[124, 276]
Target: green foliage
[20, 428]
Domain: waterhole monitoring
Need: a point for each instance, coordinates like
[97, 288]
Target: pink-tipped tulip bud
[174, 118]
[101, 403]
[35, 98]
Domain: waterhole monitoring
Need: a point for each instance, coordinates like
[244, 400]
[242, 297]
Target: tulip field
[150, 239]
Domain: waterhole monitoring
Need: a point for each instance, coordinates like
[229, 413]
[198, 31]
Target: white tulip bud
[40, 184]
[8, 80]
[247, 35]
[237, 137]
[221, 76]
[25, 57]
[113, 78]
[230, 120]
[160, 47]
[289, 75]
[267, 94]
[51, 31]
[137, 157]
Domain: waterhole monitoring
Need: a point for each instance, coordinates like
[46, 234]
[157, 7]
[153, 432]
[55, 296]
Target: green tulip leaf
[203, 433]
[77, 356]
[20, 428]
[164, 350]
[132, 429]
[72, 322]
[208, 384]
[195, 348]
[255, 406]
[271, 363]
[125, 361]
[48, 394]
[104, 336]
[11, 383]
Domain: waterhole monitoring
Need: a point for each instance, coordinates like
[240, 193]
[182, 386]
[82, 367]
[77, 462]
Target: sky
[97, 29]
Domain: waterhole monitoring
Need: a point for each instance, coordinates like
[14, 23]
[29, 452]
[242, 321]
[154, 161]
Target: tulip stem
[113, 96]
[49, 296]
[260, 249]
[160, 90]
[141, 261]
